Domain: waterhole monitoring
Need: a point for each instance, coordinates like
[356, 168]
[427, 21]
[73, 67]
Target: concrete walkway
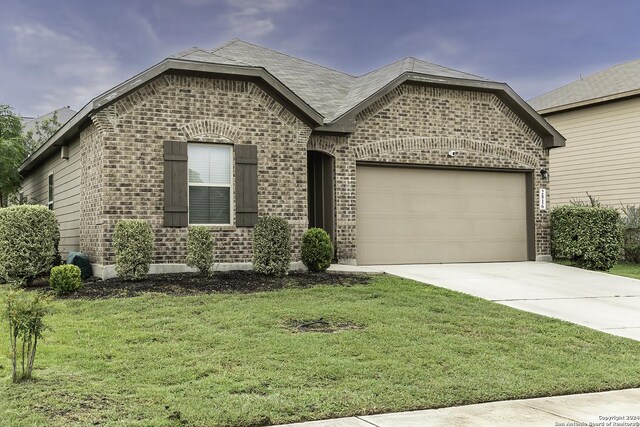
[597, 300]
[594, 409]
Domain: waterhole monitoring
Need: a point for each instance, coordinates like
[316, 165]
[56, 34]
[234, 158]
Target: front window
[210, 176]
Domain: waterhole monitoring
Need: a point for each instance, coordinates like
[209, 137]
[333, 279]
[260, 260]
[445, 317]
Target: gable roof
[615, 82]
[329, 92]
[329, 99]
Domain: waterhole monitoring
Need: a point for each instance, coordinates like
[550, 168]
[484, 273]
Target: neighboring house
[411, 163]
[63, 114]
[599, 115]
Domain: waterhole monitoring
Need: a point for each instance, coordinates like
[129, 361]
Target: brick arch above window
[444, 144]
[210, 130]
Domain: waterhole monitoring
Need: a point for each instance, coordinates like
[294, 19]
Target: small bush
[25, 312]
[133, 246]
[65, 278]
[200, 248]
[631, 244]
[317, 249]
[588, 236]
[28, 235]
[630, 221]
[271, 246]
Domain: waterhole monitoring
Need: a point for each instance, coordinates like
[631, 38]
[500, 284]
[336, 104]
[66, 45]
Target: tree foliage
[11, 152]
[43, 130]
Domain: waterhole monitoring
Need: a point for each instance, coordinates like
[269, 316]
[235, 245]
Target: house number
[543, 199]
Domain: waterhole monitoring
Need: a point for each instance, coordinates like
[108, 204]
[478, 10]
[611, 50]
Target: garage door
[418, 215]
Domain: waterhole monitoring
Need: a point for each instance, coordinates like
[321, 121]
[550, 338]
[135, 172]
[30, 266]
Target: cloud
[57, 69]
[254, 18]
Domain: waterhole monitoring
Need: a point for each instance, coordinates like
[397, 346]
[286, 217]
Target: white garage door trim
[411, 215]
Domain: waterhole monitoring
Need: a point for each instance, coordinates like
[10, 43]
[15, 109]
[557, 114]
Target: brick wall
[122, 171]
[132, 131]
[419, 125]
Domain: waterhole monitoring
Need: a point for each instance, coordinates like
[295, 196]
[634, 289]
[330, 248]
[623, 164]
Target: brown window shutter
[246, 185]
[176, 185]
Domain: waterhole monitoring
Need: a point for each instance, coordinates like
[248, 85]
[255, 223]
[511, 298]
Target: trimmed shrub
[25, 312]
[28, 235]
[200, 248]
[271, 246]
[317, 249]
[133, 246]
[588, 236]
[630, 221]
[65, 278]
[631, 244]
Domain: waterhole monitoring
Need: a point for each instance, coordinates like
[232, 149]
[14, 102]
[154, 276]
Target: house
[410, 163]
[599, 115]
[63, 115]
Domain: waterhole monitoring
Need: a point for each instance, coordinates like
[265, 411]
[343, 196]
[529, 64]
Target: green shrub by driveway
[236, 360]
[589, 237]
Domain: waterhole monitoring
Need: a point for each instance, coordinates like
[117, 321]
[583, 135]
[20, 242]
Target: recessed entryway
[320, 191]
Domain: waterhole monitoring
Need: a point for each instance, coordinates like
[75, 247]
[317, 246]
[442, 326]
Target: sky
[64, 53]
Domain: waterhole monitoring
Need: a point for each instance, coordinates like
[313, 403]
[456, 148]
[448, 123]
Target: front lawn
[257, 358]
[627, 270]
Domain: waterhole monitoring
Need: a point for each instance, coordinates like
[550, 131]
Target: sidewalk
[595, 409]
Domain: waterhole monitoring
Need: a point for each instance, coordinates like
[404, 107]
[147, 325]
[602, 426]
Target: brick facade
[419, 125]
[130, 184]
[122, 157]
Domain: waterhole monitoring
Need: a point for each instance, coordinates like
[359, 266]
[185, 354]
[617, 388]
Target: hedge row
[590, 237]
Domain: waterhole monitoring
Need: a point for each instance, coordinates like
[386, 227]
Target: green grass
[627, 270]
[231, 359]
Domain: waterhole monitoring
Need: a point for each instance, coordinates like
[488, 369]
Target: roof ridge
[448, 68]
[287, 55]
[383, 67]
[225, 44]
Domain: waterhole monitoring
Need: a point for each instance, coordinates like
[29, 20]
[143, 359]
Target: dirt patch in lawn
[320, 325]
[219, 282]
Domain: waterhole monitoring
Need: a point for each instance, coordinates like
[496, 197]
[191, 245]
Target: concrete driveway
[600, 301]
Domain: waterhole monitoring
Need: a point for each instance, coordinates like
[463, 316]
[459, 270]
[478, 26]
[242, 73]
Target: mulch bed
[195, 284]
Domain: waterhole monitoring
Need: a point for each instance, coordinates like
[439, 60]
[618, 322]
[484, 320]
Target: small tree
[133, 245]
[271, 246]
[25, 312]
[11, 152]
[200, 248]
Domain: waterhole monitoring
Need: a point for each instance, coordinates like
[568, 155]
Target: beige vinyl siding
[66, 193]
[602, 155]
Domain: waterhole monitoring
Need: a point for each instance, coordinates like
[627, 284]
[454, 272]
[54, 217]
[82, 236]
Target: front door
[320, 191]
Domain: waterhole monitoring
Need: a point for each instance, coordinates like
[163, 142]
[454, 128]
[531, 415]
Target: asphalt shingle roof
[329, 92]
[615, 80]
[63, 116]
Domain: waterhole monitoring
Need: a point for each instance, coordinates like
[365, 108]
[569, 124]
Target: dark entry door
[320, 191]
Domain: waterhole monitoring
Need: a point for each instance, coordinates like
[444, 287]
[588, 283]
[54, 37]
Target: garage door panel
[437, 226]
[410, 215]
